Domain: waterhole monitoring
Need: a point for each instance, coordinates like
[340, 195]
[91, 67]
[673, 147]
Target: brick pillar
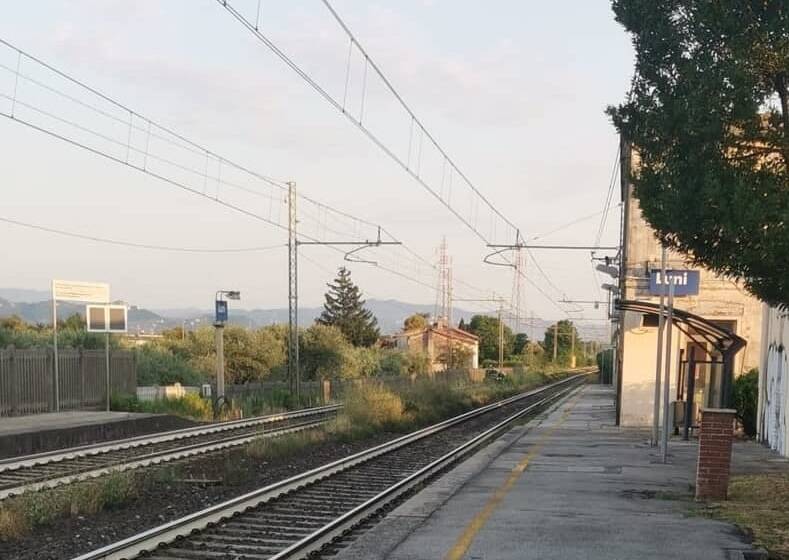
[715, 437]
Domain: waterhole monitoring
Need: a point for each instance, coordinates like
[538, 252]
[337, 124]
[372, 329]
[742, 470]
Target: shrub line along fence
[27, 379]
[324, 390]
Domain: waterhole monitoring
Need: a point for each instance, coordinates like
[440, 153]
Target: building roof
[448, 332]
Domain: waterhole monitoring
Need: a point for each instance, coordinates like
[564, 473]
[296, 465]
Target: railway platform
[23, 435]
[569, 484]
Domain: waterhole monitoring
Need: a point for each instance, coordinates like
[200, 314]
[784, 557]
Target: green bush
[157, 366]
[746, 396]
[191, 406]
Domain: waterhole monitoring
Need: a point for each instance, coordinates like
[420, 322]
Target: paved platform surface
[61, 420]
[23, 435]
[568, 485]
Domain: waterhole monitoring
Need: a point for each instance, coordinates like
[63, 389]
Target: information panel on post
[107, 318]
[91, 292]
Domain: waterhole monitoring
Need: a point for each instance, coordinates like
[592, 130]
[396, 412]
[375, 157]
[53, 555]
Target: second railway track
[54, 468]
[299, 516]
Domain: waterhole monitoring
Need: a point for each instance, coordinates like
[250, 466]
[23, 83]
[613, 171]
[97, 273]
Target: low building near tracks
[444, 345]
[720, 302]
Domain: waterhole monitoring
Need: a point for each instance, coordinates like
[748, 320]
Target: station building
[699, 335]
[437, 340]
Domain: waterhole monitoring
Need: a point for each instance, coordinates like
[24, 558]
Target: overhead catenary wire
[405, 162]
[195, 182]
[137, 245]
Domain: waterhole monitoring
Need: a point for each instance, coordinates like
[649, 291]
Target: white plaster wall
[639, 355]
[773, 419]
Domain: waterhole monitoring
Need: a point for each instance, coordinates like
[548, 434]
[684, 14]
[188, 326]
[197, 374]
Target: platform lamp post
[220, 318]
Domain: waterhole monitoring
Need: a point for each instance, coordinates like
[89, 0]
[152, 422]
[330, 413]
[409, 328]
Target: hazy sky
[514, 91]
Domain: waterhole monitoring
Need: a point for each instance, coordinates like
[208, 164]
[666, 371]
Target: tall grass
[285, 445]
[21, 515]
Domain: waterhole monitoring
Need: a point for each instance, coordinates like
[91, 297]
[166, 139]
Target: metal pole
[107, 365]
[658, 361]
[555, 340]
[501, 340]
[690, 388]
[294, 375]
[667, 377]
[219, 341]
[55, 347]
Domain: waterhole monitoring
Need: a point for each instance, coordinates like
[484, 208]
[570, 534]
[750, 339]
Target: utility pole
[500, 314]
[667, 377]
[219, 342]
[659, 358]
[555, 340]
[220, 318]
[294, 375]
[501, 337]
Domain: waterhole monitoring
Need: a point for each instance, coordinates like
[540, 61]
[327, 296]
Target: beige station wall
[719, 299]
[639, 355]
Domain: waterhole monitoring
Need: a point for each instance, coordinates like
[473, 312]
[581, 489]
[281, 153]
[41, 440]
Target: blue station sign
[220, 314]
[686, 282]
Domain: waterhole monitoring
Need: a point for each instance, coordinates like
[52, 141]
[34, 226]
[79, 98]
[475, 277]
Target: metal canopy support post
[667, 377]
[658, 361]
[294, 375]
[691, 387]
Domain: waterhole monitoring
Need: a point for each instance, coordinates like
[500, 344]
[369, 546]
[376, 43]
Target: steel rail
[229, 434]
[340, 526]
[152, 538]
[93, 448]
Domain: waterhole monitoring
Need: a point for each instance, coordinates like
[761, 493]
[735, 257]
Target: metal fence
[27, 379]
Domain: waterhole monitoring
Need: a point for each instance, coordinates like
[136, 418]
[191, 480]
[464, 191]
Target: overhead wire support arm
[555, 247]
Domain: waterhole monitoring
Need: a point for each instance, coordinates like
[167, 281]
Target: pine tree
[344, 309]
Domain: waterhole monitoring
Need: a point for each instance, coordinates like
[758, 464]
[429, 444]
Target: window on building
[650, 320]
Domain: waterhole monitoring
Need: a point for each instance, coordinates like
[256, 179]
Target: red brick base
[715, 438]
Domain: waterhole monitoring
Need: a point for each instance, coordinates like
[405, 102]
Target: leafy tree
[462, 325]
[344, 309]
[157, 366]
[487, 329]
[403, 363]
[709, 118]
[415, 322]
[455, 356]
[565, 331]
[324, 352]
[521, 339]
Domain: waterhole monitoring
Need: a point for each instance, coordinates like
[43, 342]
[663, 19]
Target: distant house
[442, 344]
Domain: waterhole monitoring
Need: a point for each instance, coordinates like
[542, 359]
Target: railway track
[299, 516]
[54, 468]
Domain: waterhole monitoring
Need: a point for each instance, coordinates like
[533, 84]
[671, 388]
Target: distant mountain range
[35, 306]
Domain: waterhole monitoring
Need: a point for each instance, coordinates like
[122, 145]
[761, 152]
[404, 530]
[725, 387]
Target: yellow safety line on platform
[463, 543]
